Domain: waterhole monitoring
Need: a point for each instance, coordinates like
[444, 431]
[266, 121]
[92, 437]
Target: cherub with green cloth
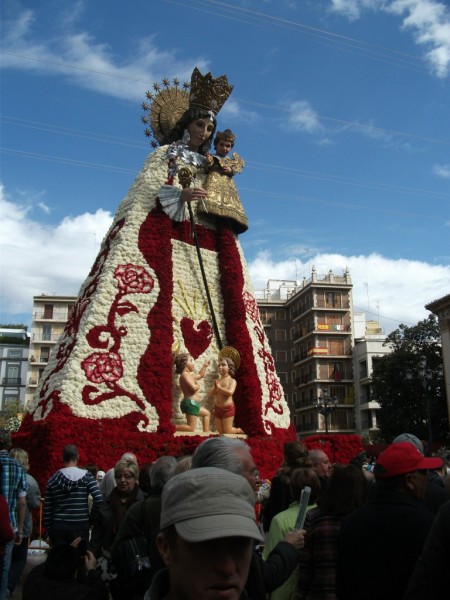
[189, 384]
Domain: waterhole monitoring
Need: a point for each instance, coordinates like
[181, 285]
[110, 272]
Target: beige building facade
[50, 314]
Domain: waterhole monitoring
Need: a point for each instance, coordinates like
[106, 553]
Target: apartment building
[50, 314]
[309, 327]
[13, 366]
[369, 346]
[322, 350]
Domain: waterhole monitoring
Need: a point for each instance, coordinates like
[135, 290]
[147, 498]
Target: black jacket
[378, 546]
[266, 576]
[430, 577]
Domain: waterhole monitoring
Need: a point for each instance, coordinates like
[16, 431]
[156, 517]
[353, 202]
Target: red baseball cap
[401, 458]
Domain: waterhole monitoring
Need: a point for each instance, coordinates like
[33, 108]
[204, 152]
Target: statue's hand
[190, 194]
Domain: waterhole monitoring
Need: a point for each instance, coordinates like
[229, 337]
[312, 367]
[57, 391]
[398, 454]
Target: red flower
[133, 279]
[101, 368]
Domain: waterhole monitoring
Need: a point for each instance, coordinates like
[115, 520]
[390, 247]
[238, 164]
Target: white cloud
[429, 20]
[82, 60]
[353, 8]
[396, 290]
[39, 258]
[302, 117]
[442, 171]
[44, 207]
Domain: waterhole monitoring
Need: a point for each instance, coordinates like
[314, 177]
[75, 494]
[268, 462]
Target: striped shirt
[66, 504]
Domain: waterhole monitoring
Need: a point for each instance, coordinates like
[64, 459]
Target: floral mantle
[110, 383]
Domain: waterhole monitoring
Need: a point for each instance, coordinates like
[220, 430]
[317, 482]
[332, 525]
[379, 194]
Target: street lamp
[427, 376]
[325, 406]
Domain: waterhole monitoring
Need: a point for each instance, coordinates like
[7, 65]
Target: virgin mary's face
[200, 131]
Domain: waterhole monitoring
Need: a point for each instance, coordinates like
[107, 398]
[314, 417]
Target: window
[14, 353]
[280, 335]
[281, 356]
[45, 354]
[48, 311]
[363, 369]
[280, 314]
[12, 375]
[46, 333]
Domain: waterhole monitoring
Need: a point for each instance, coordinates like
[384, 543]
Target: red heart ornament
[196, 337]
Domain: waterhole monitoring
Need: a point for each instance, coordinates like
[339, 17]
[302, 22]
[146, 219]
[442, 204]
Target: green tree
[404, 403]
[10, 416]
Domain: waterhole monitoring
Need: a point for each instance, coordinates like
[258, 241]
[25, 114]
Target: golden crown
[169, 102]
[208, 93]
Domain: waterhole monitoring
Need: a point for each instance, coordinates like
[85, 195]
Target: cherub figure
[222, 198]
[189, 384]
[222, 392]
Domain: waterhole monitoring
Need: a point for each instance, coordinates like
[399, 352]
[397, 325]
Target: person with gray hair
[231, 454]
[143, 517]
[234, 455]
[162, 471]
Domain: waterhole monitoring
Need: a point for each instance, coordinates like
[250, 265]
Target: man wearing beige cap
[208, 530]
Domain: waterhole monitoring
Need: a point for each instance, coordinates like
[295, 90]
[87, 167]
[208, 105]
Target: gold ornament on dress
[168, 103]
[230, 352]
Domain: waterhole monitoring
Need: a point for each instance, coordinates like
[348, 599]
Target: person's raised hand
[296, 538]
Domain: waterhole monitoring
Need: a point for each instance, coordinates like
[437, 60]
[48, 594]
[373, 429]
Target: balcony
[46, 337]
[11, 381]
[341, 304]
[332, 327]
[55, 315]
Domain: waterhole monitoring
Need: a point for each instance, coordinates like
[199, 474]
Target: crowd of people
[202, 537]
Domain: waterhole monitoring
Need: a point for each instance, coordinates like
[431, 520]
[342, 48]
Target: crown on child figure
[169, 102]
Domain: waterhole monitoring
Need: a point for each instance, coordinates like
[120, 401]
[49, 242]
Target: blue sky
[341, 109]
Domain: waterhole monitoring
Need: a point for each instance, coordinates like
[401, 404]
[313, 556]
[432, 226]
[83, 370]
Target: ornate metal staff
[185, 179]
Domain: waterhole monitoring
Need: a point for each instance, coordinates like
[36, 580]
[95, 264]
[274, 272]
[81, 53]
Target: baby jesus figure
[223, 198]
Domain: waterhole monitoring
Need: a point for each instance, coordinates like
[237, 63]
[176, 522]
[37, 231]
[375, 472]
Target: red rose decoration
[103, 368]
[133, 279]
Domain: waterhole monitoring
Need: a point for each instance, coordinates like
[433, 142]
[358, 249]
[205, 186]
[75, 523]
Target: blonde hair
[125, 463]
[21, 456]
